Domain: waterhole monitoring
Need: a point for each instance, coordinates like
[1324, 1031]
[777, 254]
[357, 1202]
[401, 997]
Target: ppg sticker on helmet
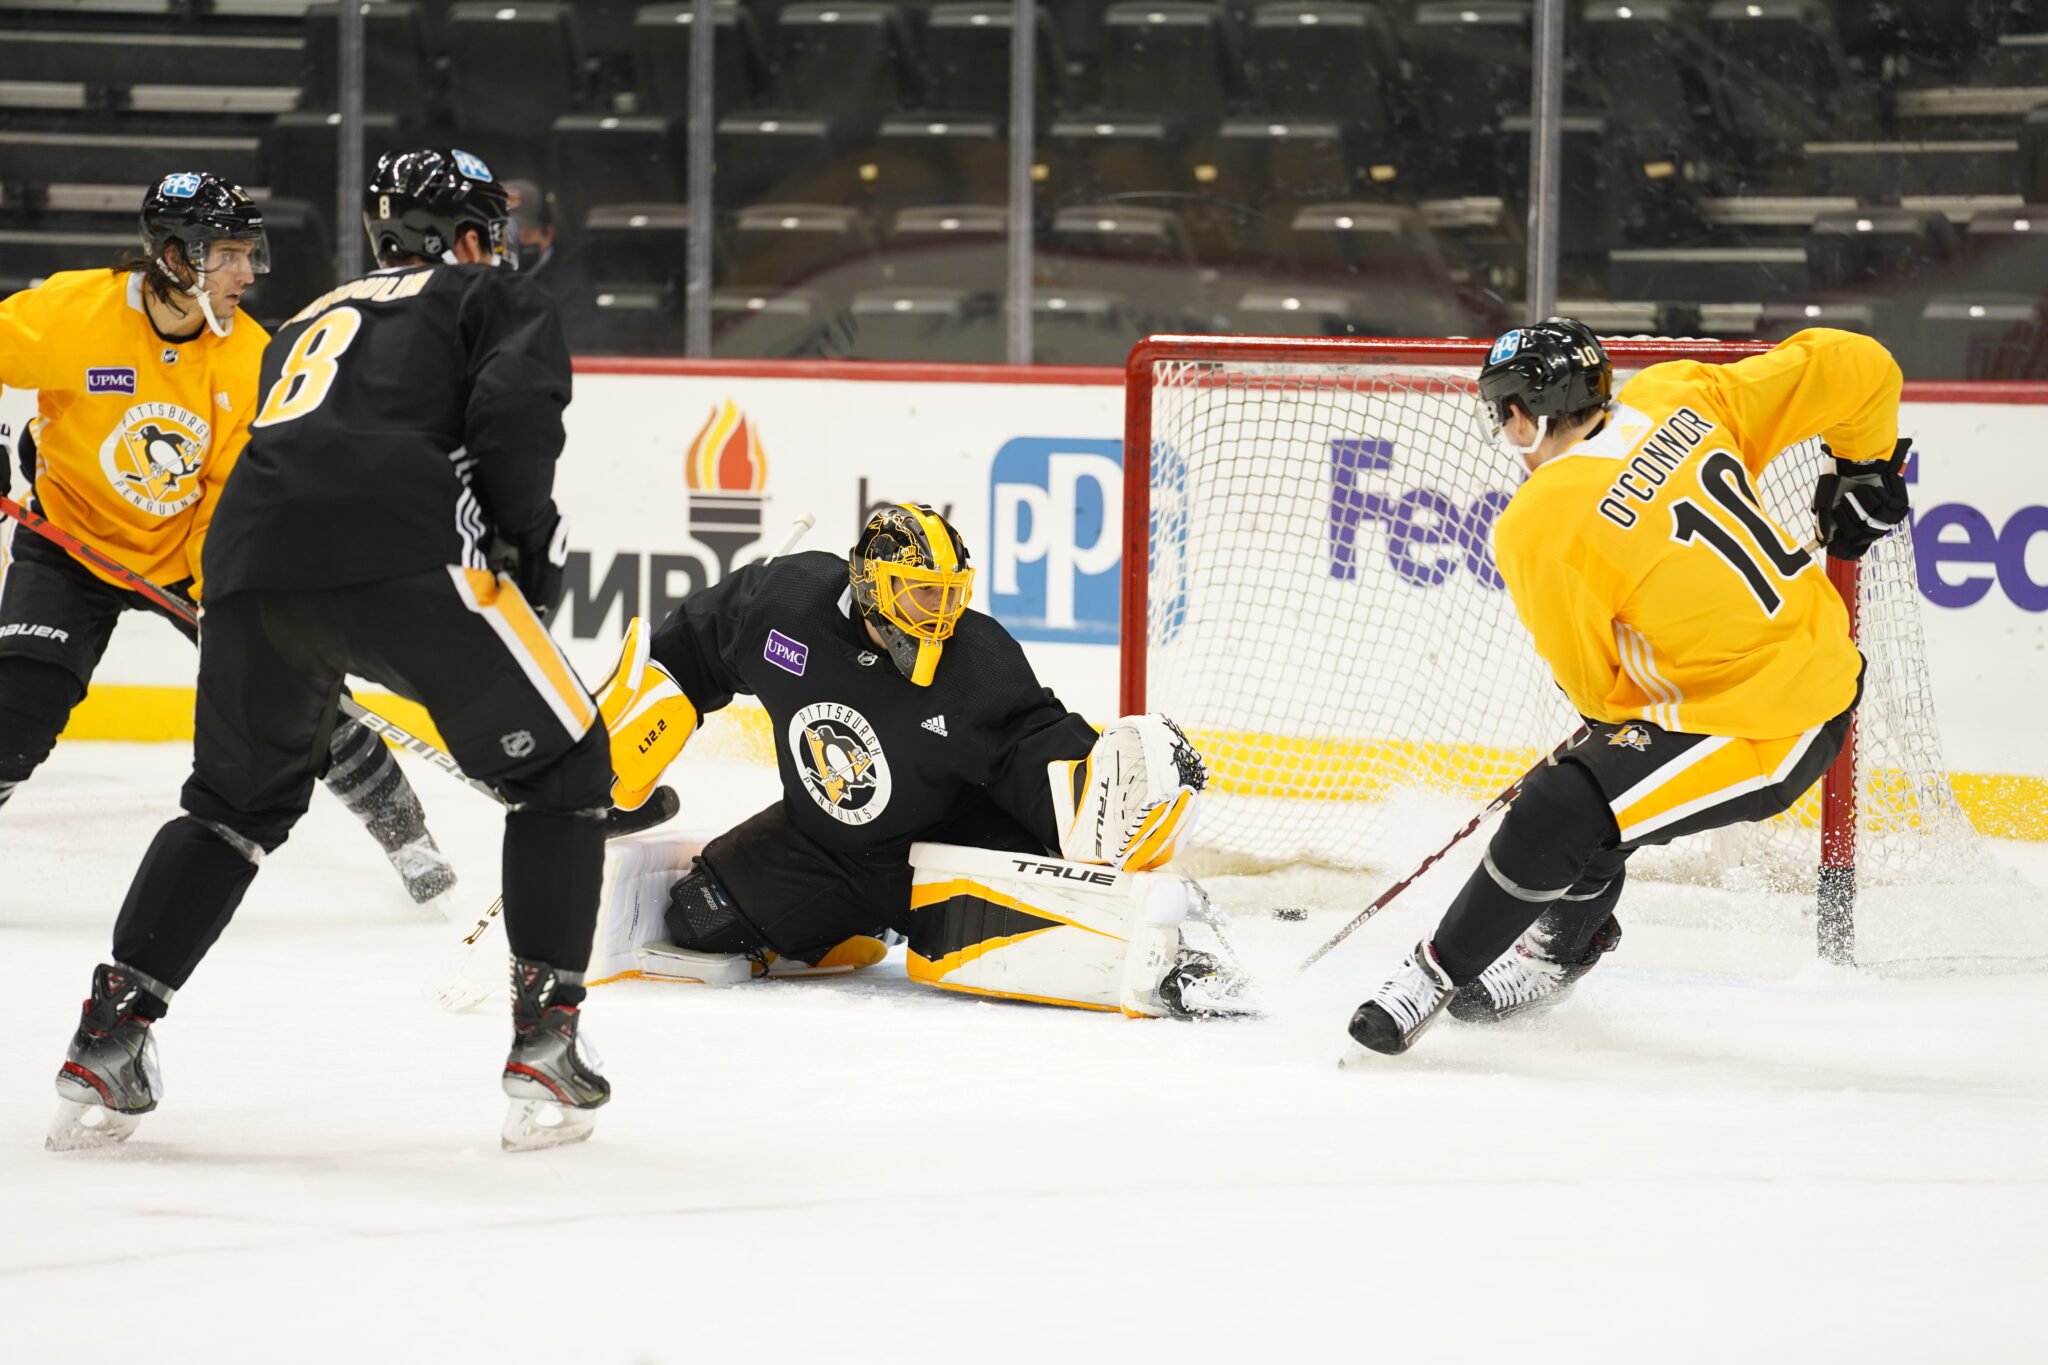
[181, 186]
[836, 752]
[1509, 343]
[472, 166]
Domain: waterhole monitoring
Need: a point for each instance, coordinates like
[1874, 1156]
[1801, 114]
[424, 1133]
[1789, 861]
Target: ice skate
[1406, 1004]
[110, 1077]
[1528, 977]
[552, 1073]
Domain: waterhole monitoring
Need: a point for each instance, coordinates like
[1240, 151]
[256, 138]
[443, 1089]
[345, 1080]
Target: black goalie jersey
[405, 417]
[869, 760]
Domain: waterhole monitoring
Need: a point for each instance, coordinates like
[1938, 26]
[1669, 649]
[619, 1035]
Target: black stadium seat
[1330, 59]
[1171, 57]
[616, 156]
[740, 74]
[792, 244]
[398, 68]
[515, 68]
[933, 159]
[636, 243]
[956, 245]
[126, 159]
[1981, 336]
[767, 324]
[2009, 246]
[850, 60]
[1786, 78]
[1652, 59]
[952, 326]
[1850, 248]
[301, 150]
[1091, 156]
[1083, 327]
[780, 156]
[967, 50]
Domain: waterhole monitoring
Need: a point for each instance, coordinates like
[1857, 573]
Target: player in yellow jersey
[1703, 644]
[147, 377]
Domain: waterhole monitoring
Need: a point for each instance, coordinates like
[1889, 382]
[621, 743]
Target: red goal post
[1273, 367]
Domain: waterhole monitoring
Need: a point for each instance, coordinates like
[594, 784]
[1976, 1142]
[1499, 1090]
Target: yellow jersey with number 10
[1654, 582]
[137, 433]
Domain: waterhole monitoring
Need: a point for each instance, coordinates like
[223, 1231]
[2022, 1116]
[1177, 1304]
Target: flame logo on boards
[726, 455]
[726, 472]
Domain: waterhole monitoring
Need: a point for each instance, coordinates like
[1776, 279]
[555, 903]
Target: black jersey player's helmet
[418, 203]
[911, 582]
[1550, 370]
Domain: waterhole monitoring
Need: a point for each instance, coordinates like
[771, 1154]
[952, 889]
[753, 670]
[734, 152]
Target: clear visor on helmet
[211, 253]
[924, 603]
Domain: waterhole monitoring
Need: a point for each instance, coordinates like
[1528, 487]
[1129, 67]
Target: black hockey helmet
[195, 209]
[419, 202]
[911, 582]
[1551, 369]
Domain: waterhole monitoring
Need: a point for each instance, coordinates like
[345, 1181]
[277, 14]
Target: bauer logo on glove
[1129, 802]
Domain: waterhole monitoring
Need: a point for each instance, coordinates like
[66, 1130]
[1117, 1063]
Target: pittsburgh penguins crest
[153, 455]
[1631, 736]
[840, 760]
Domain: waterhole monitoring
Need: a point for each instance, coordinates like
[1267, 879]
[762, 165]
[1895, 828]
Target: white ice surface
[1717, 1152]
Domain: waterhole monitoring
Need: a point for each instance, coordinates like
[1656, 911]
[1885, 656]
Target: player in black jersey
[899, 716]
[391, 517]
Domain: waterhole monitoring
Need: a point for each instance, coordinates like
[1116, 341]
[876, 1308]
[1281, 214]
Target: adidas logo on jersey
[937, 725]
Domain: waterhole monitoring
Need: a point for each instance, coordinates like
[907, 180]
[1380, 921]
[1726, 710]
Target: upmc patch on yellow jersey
[1655, 583]
[136, 434]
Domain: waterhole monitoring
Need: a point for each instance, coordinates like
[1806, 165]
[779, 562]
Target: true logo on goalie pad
[839, 756]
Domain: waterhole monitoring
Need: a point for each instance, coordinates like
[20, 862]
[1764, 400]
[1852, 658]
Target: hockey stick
[1492, 808]
[456, 995]
[186, 612]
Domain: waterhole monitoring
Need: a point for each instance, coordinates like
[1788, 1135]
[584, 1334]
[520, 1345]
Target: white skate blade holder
[88, 1127]
[536, 1125]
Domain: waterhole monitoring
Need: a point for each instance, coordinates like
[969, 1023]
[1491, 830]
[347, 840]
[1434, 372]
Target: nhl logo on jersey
[1631, 736]
[839, 757]
[153, 454]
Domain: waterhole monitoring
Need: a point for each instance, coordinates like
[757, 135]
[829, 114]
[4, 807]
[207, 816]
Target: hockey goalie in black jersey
[931, 788]
[392, 516]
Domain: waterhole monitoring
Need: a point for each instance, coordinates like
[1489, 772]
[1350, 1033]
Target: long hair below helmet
[911, 583]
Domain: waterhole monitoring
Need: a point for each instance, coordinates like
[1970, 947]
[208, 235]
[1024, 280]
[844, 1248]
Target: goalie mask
[911, 583]
[419, 203]
[1550, 370]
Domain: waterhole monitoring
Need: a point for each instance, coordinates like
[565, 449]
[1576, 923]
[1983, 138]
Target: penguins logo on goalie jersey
[841, 760]
[1654, 581]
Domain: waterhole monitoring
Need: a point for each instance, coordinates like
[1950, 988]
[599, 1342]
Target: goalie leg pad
[647, 717]
[1023, 927]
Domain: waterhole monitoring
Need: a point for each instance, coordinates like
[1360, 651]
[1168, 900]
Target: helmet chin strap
[197, 291]
[1507, 443]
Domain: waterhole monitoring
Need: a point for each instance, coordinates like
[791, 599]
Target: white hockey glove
[1128, 803]
[648, 717]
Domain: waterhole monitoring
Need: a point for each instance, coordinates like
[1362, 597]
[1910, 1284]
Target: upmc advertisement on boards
[671, 481]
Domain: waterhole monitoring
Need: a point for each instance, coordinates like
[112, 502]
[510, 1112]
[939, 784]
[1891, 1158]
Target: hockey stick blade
[1499, 803]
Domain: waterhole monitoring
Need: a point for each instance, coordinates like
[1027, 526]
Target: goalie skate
[110, 1077]
[552, 1073]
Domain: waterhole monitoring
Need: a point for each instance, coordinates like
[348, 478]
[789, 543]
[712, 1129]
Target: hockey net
[1320, 610]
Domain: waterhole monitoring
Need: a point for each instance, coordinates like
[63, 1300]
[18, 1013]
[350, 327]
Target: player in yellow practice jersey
[146, 376]
[1703, 644]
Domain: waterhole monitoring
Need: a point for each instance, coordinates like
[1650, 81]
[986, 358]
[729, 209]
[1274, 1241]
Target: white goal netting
[1325, 619]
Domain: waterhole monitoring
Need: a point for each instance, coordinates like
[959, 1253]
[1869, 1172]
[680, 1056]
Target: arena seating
[1719, 155]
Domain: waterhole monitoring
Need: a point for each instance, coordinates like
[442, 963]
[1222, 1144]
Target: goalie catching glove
[647, 716]
[1128, 803]
[1858, 504]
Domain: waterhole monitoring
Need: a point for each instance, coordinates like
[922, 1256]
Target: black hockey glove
[535, 562]
[1858, 504]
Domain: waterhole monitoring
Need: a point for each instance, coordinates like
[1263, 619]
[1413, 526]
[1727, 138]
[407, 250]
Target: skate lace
[1519, 977]
[1409, 995]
